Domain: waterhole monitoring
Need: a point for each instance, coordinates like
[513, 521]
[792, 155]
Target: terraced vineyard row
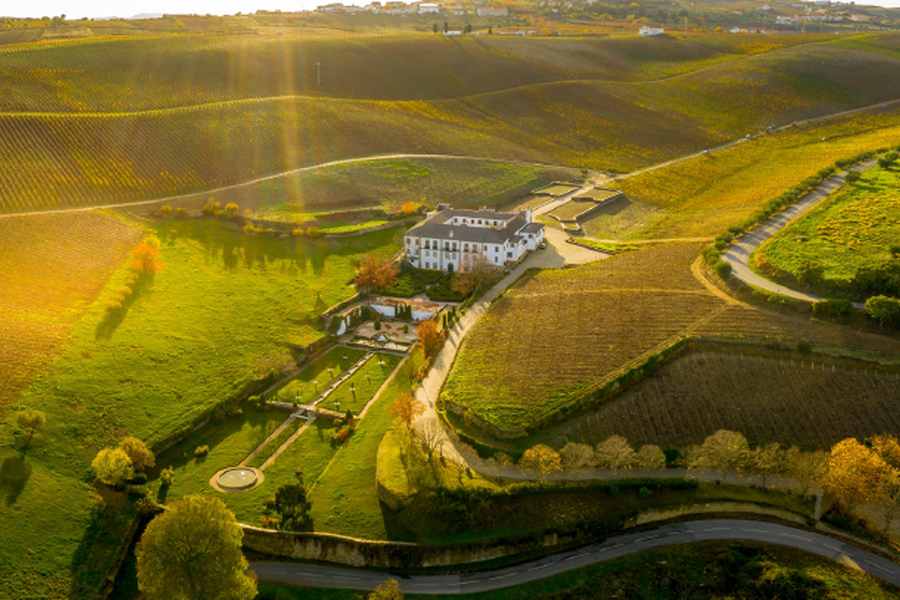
[807, 402]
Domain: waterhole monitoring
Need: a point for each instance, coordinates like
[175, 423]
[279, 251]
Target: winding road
[738, 254]
[310, 575]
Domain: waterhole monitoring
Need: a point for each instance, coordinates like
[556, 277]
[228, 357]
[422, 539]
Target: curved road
[738, 254]
[310, 575]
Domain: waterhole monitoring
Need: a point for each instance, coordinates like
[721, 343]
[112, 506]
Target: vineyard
[176, 70]
[807, 401]
[53, 159]
[598, 320]
[51, 270]
[708, 194]
[854, 231]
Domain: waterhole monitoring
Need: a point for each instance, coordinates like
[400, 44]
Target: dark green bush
[723, 269]
[832, 308]
[885, 310]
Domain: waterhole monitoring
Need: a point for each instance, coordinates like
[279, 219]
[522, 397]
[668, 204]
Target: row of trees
[853, 473]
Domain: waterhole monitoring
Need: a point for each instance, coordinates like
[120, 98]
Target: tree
[543, 459]
[888, 448]
[112, 467]
[405, 410]
[292, 506]
[145, 256]
[853, 473]
[375, 273]
[722, 451]
[806, 467]
[389, 589]
[193, 550]
[577, 456]
[409, 207]
[30, 422]
[142, 458]
[434, 28]
[431, 439]
[614, 453]
[430, 337]
[478, 277]
[768, 460]
[650, 457]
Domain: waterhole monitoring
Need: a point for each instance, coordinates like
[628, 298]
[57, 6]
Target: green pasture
[213, 321]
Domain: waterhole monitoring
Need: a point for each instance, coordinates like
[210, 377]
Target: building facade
[457, 240]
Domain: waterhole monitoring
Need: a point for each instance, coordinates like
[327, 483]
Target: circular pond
[237, 478]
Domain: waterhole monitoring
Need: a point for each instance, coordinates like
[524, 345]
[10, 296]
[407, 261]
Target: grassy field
[703, 570]
[706, 195]
[803, 402]
[51, 270]
[596, 320]
[851, 232]
[344, 498]
[388, 182]
[66, 159]
[166, 362]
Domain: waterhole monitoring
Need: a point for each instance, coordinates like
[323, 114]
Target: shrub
[167, 476]
[165, 210]
[342, 435]
[884, 309]
[832, 308]
[212, 207]
[142, 458]
[232, 210]
[804, 347]
[722, 268]
[201, 451]
[852, 176]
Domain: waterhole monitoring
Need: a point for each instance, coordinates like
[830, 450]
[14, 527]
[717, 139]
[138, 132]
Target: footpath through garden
[300, 414]
[739, 253]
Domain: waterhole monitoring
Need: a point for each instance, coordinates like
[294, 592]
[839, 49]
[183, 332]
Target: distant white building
[492, 11]
[453, 32]
[646, 31]
[428, 8]
[457, 240]
[780, 20]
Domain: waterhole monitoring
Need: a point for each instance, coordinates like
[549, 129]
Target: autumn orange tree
[374, 273]
[543, 459]
[405, 409]
[853, 473]
[145, 256]
[430, 337]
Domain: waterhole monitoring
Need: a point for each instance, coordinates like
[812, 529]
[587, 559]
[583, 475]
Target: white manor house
[456, 240]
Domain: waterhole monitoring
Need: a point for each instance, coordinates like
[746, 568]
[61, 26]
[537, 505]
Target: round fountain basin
[237, 478]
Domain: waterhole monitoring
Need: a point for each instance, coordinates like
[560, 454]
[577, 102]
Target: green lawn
[856, 230]
[315, 376]
[214, 321]
[366, 382]
[345, 499]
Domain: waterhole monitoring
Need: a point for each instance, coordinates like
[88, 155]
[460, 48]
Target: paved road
[738, 254]
[309, 575]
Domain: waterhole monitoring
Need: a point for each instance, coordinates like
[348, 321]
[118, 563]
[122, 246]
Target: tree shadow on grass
[14, 474]
[118, 309]
[104, 544]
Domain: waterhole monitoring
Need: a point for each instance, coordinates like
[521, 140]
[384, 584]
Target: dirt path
[739, 253]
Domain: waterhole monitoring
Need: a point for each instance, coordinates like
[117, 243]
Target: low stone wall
[357, 552]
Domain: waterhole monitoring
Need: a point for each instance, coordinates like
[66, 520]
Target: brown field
[51, 269]
[558, 335]
[810, 402]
